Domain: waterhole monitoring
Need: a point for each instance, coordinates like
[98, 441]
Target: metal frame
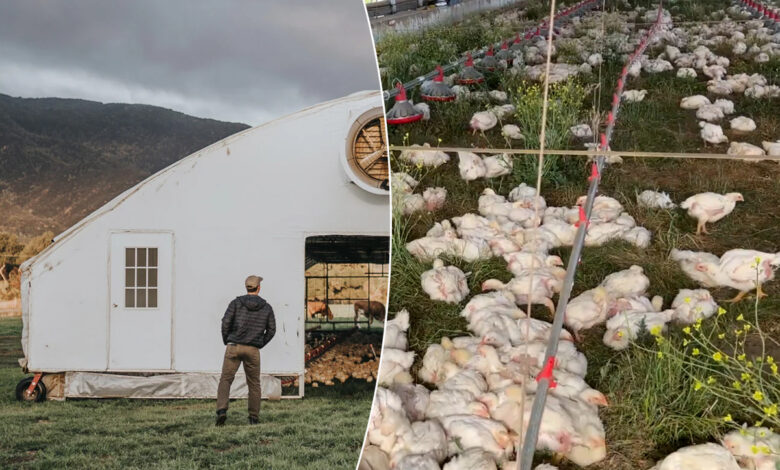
[384, 274]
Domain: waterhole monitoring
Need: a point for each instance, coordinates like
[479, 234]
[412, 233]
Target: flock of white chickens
[478, 389]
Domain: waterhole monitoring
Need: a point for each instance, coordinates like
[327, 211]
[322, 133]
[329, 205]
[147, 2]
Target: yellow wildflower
[727, 418]
[741, 357]
[659, 354]
[687, 330]
[687, 300]
[770, 360]
[771, 410]
[747, 327]
[736, 385]
[697, 385]
[656, 330]
[717, 356]
[765, 450]
[745, 376]
[774, 369]
[710, 380]
[685, 342]
[754, 449]
[722, 335]
[740, 317]
[721, 311]
[695, 352]
[758, 396]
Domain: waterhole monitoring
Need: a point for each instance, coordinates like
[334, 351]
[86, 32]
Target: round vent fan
[366, 153]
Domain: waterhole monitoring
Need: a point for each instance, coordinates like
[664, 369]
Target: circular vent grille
[367, 152]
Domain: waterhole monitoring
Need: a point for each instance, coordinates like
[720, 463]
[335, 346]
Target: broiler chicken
[704, 456]
[471, 166]
[710, 207]
[698, 265]
[467, 431]
[691, 305]
[445, 283]
[625, 327]
[471, 459]
[434, 198]
[627, 283]
[395, 331]
[587, 310]
[745, 270]
[425, 156]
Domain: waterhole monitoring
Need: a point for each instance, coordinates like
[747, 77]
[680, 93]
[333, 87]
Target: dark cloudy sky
[236, 60]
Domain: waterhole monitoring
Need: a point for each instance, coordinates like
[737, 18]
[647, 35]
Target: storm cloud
[236, 60]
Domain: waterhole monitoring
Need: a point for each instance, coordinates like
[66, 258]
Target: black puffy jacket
[248, 320]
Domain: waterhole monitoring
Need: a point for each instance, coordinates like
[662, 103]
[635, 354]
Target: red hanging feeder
[489, 62]
[470, 75]
[505, 54]
[438, 90]
[517, 44]
[402, 111]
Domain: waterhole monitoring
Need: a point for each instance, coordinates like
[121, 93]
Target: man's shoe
[253, 420]
[221, 418]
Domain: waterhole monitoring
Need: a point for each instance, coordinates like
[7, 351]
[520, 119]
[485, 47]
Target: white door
[141, 266]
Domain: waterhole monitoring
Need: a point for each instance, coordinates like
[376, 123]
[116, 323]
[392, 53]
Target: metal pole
[537, 409]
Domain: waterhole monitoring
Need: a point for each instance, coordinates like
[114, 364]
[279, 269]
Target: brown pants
[235, 355]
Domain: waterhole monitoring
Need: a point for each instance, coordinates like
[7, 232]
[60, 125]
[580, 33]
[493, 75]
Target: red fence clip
[610, 118]
[547, 373]
[620, 83]
[615, 99]
[583, 219]
[594, 172]
[603, 143]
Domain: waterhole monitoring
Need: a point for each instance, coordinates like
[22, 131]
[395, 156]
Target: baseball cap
[252, 282]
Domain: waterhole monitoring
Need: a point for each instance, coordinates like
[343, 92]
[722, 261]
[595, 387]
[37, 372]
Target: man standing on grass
[247, 326]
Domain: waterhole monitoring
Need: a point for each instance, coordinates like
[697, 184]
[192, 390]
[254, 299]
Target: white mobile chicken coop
[128, 302]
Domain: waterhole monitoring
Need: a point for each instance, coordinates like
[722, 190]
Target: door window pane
[129, 298]
[129, 277]
[152, 301]
[141, 256]
[152, 278]
[153, 257]
[130, 257]
[141, 277]
[140, 298]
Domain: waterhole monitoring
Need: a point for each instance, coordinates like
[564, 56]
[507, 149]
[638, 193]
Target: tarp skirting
[183, 385]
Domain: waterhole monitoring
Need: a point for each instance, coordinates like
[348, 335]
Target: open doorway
[346, 282]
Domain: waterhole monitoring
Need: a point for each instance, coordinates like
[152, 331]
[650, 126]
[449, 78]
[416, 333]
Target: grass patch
[119, 433]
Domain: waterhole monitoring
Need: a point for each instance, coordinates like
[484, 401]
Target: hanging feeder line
[761, 9]
[593, 153]
[574, 10]
[545, 379]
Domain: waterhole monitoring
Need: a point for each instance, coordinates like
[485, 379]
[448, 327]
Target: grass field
[653, 408]
[322, 431]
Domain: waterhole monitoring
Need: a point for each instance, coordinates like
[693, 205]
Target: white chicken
[710, 112]
[422, 438]
[511, 131]
[772, 148]
[470, 166]
[634, 96]
[627, 283]
[483, 121]
[445, 283]
[692, 304]
[467, 431]
[697, 265]
[454, 402]
[742, 443]
[414, 398]
[704, 456]
[433, 364]
[694, 102]
[743, 124]
[744, 148]
[655, 200]
[434, 198]
[712, 133]
[395, 331]
[373, 458]
[394, 367]
[471, 459]
[536, 290]
[710, 207]
[582, 131]
[497, 165]
[425, 156]
[625, 327]
[587, 310]
[745, 270]
[416, 462]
